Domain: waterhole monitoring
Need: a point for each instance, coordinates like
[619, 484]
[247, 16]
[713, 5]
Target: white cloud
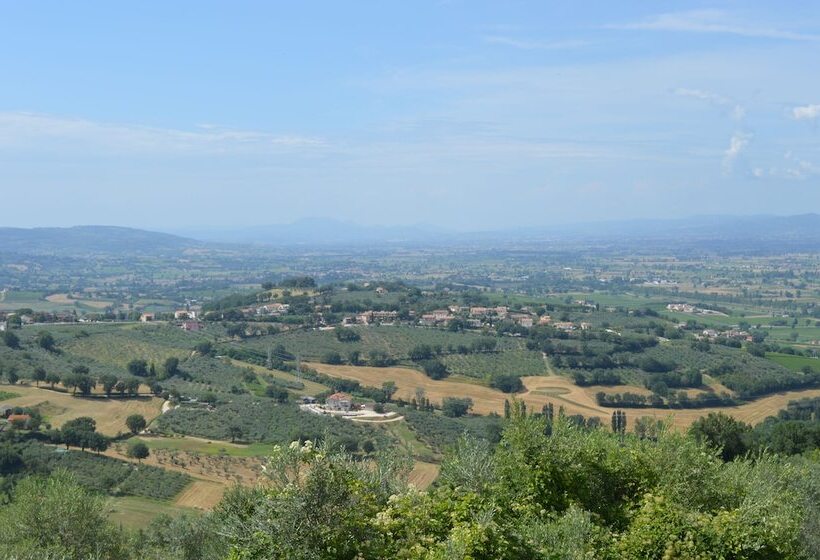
[736, 111]
[33, 130]
[737, 144]
[534, 45]
[807, 112]
[799, 168]
[711, 21]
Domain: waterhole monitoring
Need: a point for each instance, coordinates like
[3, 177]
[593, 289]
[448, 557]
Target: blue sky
[466, 115]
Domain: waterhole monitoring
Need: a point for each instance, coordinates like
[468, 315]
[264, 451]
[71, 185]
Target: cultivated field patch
[560, 391]
[110, 414]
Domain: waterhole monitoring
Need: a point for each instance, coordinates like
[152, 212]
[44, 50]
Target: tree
[434, 369]
[55, 517]
[138, 450]
[347, 335]
[507, 383]
[97, 442]
[235, 431]
[108, 382]
[389, 388]
[454, 407]
[12, 376]
[421, 352]
[11, 461]
[133, 385]
[278, 394]
[85, 384]
[138, 368]
[333, 358]
[10, 339]
[204, 348]
[121, 387]
[77, 432]
[52, 379]
[723, 432]
[46, 341]
[136, 423]
[38, 375]
[619, 422]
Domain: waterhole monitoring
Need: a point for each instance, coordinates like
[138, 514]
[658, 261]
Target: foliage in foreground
[573, 494]
[554, 491]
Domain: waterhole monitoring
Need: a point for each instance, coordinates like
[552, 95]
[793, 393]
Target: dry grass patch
[423, 474]
[110, 414]
[201, 494]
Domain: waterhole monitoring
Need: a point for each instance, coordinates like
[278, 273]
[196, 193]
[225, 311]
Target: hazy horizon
[461, 116]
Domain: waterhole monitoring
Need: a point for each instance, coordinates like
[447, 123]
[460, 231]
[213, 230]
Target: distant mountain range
[720, 234]
[317, 231]
[90, 239]
[801, 232]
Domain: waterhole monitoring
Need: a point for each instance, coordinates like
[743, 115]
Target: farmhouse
[191, 326]
[146, 317]
[339, 401]
[522, 319]
[21, 420]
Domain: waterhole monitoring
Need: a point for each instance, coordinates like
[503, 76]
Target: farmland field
[137, 513]
[511, 362]
[396, 341]
[794, 363]
[549, 389]
[110, 414]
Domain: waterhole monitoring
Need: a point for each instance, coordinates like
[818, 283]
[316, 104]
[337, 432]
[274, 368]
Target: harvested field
[558, 390]
[423, 474]
[201, 494]
[63, 299]
[110, 414]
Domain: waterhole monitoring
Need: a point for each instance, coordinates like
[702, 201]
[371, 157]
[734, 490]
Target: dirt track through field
[558, 390]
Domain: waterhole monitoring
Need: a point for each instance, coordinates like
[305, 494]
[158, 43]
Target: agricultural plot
[541, 390]
[137, 513]
[261, 420]
[105, 474]
[206, 447]
[794, 363]
[395, 341]
[511, 362]
[110, 414]
[117, 348]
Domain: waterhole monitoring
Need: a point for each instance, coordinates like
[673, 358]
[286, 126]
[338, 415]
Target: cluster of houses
[478, 316]
[682, 308]
[712, 334]
[188, 319]
[272, 309]
[371, 318]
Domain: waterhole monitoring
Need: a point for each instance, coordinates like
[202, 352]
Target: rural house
[339, 401]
